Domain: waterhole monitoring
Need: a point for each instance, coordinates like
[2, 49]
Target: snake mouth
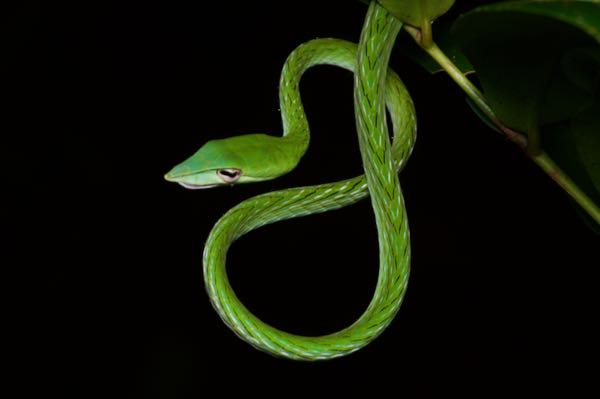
[190, 186]
[195, 186]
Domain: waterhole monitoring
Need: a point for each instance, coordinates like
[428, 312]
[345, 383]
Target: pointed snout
[168, 176]
[175, 174]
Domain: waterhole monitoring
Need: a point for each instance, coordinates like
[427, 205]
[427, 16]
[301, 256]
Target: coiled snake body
[257, 157]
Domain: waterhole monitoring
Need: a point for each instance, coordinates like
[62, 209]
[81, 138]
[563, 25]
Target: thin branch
[552, 170]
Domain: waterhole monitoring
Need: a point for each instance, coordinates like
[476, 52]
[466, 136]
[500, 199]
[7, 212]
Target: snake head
[234, 160]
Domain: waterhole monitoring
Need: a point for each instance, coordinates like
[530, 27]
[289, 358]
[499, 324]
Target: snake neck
[296, 132]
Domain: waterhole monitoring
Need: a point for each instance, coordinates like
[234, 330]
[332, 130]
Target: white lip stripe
[195, 187]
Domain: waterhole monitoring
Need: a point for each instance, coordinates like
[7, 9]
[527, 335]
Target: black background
[103, 98]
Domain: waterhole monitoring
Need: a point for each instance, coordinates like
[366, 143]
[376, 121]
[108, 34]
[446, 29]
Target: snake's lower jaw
[174, 178]
[196, 187]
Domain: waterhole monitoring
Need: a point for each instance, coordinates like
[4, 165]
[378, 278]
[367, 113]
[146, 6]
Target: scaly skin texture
[375, 87]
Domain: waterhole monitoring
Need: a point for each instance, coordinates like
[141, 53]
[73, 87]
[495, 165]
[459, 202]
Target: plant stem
[534, 141]
[426, 33]
[540, 158]
[552, 170]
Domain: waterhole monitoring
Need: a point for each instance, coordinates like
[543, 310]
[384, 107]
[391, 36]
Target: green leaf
[566, 92]
[539, 66]
[516, 46]
[582, 68]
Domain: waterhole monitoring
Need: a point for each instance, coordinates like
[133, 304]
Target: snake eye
[229, 175]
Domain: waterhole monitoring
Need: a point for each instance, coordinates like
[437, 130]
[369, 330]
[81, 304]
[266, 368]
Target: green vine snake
[259, 157]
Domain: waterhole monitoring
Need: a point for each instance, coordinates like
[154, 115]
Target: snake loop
[375, 87]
